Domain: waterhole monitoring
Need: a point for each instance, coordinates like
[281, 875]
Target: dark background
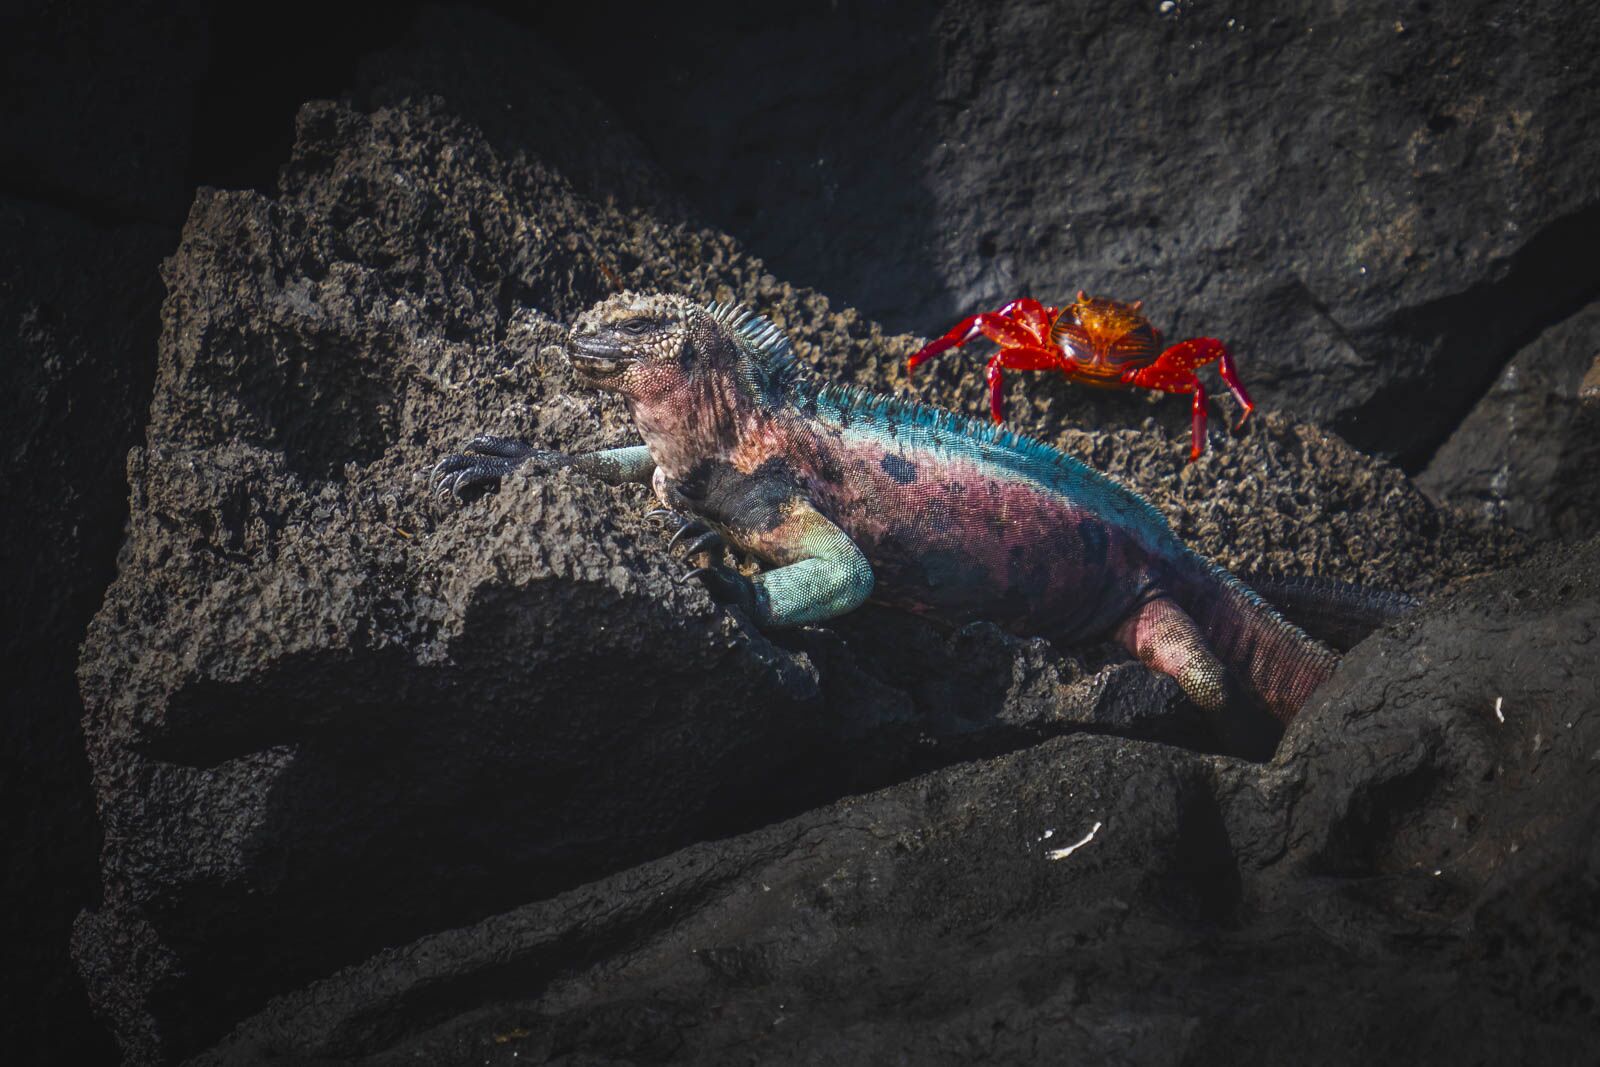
[1383, 203]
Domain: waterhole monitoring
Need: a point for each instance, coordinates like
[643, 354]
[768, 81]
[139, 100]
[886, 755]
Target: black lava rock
[1413, 878]
[380, 779]
[327, 715]
[1529, 452]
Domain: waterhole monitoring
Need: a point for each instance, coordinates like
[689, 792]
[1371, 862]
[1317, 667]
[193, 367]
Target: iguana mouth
[594, 357]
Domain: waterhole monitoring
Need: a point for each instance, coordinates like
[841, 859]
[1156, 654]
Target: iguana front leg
[824, 574]
[484, 460]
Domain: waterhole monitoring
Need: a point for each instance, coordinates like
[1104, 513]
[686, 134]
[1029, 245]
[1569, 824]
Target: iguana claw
[692, 526]
[453, 474]
[485, 460]
[707, 542]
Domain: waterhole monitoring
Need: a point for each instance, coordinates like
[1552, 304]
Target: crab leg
[1173, 372]
[960, 334]
[1230, 378]
[1197, 352]
[996, 325]
[1024, 357]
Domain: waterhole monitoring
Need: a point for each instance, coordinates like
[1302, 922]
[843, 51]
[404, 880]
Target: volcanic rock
[603, 818]
[1413, 877]
[327, 714]
[1529, 453]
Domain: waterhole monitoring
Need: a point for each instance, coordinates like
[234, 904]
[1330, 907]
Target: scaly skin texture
[849, 496]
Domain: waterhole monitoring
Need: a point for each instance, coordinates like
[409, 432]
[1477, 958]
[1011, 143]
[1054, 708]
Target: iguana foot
[705, 538]
[483, 461]
[455, 474]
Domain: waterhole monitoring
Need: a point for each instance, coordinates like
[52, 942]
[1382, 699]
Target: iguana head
[649, 347]
[697, 380]
[693, 376]
[644, 347]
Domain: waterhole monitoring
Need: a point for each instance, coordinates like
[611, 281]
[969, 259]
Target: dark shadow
[796, 127]
[407, 799]
[267, 60]
[1458, 345]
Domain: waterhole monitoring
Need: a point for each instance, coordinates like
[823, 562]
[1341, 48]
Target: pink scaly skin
[1103, 343]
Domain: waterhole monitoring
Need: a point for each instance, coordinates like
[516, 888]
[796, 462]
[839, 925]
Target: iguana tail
[1336, 612]
[1274, 660]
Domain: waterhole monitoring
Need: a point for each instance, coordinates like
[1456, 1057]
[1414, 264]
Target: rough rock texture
[77, 313]
[1376, 204]
[1530, 451]
[95, 125]
[326, 716]
[1414, 879]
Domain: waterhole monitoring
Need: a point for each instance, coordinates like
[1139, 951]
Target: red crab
[1099, 342]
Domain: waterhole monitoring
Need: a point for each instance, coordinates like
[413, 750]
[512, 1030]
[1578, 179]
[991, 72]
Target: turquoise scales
[847, 495]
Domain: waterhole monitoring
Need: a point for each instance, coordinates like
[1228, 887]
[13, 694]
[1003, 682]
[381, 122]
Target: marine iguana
[850, 496]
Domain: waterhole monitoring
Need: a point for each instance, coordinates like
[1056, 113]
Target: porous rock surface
[1413, 879]
[327, 714]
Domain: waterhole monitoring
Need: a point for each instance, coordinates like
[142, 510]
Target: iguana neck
[707, 416]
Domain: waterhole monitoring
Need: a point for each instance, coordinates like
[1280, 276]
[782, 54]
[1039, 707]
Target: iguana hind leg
[822, 573]
[1166, 639]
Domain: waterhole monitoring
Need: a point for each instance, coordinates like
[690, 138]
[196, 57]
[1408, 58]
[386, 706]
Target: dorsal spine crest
[779, 377]
[772, 366]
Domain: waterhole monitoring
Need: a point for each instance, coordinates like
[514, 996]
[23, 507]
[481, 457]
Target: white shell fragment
[1063, 853]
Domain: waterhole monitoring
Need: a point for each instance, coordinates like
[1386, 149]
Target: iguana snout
[597, 357]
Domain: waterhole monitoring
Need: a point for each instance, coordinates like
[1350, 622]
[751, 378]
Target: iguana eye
[636, 327]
